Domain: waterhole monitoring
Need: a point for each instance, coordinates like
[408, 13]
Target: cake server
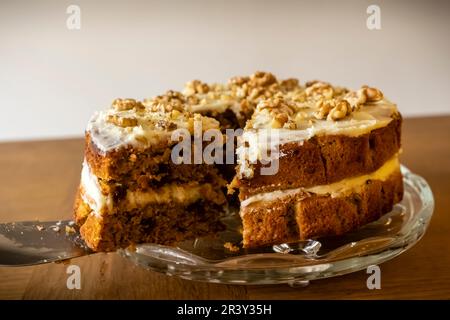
[34, 242]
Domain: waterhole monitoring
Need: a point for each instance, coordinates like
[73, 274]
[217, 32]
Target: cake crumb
[132, 247]
[70, 230]
[231, 247]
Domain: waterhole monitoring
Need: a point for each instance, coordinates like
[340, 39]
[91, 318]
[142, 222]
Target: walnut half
[195, 86]
[126, 104]
[122, 121]
[340, 111]
[332, 109]
[372, 94]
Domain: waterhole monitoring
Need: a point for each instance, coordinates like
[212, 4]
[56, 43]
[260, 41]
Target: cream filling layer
[335, 189]
[100, 203]
[91, 192]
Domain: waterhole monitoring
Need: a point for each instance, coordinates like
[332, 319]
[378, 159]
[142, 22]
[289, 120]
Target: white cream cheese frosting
[146, 127]
[100, 203]
[91, 192]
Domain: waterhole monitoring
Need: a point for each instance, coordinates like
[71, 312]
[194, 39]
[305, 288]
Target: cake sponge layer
[324, 160]
[162, 223]
[308, 215]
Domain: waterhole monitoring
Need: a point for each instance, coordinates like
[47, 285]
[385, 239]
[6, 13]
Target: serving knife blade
[35, 242]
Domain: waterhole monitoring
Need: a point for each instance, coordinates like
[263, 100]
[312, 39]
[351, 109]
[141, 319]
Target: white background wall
[52, 79]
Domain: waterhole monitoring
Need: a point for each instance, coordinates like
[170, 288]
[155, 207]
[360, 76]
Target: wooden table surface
[39, 180]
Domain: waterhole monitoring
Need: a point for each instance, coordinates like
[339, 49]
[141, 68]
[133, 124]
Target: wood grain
[40, 178]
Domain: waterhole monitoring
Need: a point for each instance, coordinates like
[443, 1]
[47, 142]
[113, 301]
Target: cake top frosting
[273, 103]
[260, 101]
[317, 102]
[149, 123]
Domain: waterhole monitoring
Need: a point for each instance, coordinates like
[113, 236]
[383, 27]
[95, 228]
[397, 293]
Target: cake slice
[333, 163]
[131, 190]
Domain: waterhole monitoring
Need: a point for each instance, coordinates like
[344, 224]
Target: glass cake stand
[206, 259]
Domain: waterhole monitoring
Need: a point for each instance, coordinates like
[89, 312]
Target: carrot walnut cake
[131, 191]
[313, 160]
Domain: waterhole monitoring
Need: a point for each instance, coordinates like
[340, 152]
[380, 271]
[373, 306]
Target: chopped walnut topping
[290, 124]
[277, 105]
[340, 91]
[279, 108]
[193, 100]
[272, 90]
[246, 107]
[174, 95]
[195, 86]
[217, 87]
[300, 116]
[132, 157]
[282, 118]
[164, 124]
[70, 230]
[340, 111]
[310, 83]
[126, 104]
[299, 96]
[239, 81]
[319, 88]
[333, 109]
[213, 95]
[172, 100]
[175, 114]
[361, 96]
[122, 121]
[276, 124]
[284, 102]
[231, 247]
[355, 99]
[324, 109]
[226, 97]
[255, 93]
[372, 94]
[289, 84]
[261, 78]
[257, 86]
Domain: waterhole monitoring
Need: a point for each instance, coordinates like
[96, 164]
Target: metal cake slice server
[34, 242]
